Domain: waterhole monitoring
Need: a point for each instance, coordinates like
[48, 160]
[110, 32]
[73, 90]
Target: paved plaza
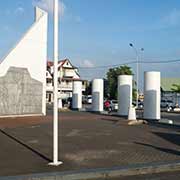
[86, 141]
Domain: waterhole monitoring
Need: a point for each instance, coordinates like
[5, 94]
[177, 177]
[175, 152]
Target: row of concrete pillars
[125, 84]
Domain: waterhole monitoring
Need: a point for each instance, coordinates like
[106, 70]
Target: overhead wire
[131, 62]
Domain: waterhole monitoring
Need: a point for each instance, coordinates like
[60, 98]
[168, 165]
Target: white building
[67, 73]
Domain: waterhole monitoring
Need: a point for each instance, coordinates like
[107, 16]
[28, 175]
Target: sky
[98, 32]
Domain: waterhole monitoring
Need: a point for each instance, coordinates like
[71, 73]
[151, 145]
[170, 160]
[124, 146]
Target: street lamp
[55, 108]
[137, 71]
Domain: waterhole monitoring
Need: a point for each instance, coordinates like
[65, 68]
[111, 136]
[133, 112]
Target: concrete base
[137, 122]
[55, 164]
[20, 94]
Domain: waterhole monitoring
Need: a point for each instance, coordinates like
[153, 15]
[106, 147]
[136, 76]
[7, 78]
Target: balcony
[63, 87]
[69, 73]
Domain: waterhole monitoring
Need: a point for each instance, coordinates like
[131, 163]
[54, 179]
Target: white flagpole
[55, 113]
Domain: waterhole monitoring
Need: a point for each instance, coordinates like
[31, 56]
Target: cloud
[19, 10]
[48, 6]
[173, 18]
[87, 63]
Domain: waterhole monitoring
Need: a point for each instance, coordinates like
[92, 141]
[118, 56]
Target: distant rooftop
[60, 63]
[166, 83]
[51, 63]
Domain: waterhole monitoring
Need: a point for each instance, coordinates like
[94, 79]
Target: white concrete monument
[77, 95]
[23, 72]
[97, 95]
[124, 94]
[152, 95]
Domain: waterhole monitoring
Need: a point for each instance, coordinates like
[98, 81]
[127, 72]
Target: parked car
[140, 104]
[167, 105]
[89, 99]
[114, 105]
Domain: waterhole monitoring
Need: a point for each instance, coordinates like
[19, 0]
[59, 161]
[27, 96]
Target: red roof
[51, 63]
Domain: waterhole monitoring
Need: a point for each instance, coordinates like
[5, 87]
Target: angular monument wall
[23, 72]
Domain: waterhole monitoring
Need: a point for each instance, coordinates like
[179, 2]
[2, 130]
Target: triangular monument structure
[23, 72]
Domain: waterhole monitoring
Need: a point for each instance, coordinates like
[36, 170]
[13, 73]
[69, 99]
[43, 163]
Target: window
[48, 81]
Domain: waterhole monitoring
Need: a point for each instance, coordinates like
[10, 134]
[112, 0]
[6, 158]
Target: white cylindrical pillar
[124, 94]
[60, 106]
[132, 113]
[77, 95]
[98, 95]
[152, 95]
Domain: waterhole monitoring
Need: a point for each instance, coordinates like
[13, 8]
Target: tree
[176, 89]
[112, 77]
[88, 89]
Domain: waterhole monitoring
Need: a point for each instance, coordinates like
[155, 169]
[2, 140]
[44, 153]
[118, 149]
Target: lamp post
[137, 71]
[55, 109]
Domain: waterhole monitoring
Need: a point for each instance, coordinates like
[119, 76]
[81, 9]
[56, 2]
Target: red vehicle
[107, 106]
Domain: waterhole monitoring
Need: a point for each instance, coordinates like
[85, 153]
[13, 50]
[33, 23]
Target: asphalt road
[171, 116]
[160, 176]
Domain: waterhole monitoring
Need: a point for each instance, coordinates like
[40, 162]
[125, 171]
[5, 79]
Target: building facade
[67, 73]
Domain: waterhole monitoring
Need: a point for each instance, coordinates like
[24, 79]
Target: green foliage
[88, 89]
[134, 94]
[176, 88]
[112, 77]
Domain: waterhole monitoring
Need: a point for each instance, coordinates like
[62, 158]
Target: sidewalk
[87, 141]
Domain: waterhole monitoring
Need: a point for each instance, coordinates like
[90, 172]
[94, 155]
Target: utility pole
[55, 108]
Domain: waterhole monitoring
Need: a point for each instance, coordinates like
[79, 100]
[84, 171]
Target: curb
[99, 174]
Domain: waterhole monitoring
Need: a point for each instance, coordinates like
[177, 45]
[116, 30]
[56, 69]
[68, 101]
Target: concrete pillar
[60, 104]
[124, 94]
[98, 95]
[152, 95]
[132, 113]
[77, 95]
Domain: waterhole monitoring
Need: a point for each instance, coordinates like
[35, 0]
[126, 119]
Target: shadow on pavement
[154, 123]
[111, 120]
[171, 137]
[26, 146]
[166, 150]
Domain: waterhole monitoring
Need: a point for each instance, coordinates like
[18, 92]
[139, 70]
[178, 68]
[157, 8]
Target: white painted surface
[132, 113]
[31, 52]
[60, 103]
[152, 95]
[77, 95]
[98, 95]
[124, 94]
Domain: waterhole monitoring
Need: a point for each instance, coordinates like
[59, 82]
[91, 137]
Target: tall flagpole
[55, 109]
